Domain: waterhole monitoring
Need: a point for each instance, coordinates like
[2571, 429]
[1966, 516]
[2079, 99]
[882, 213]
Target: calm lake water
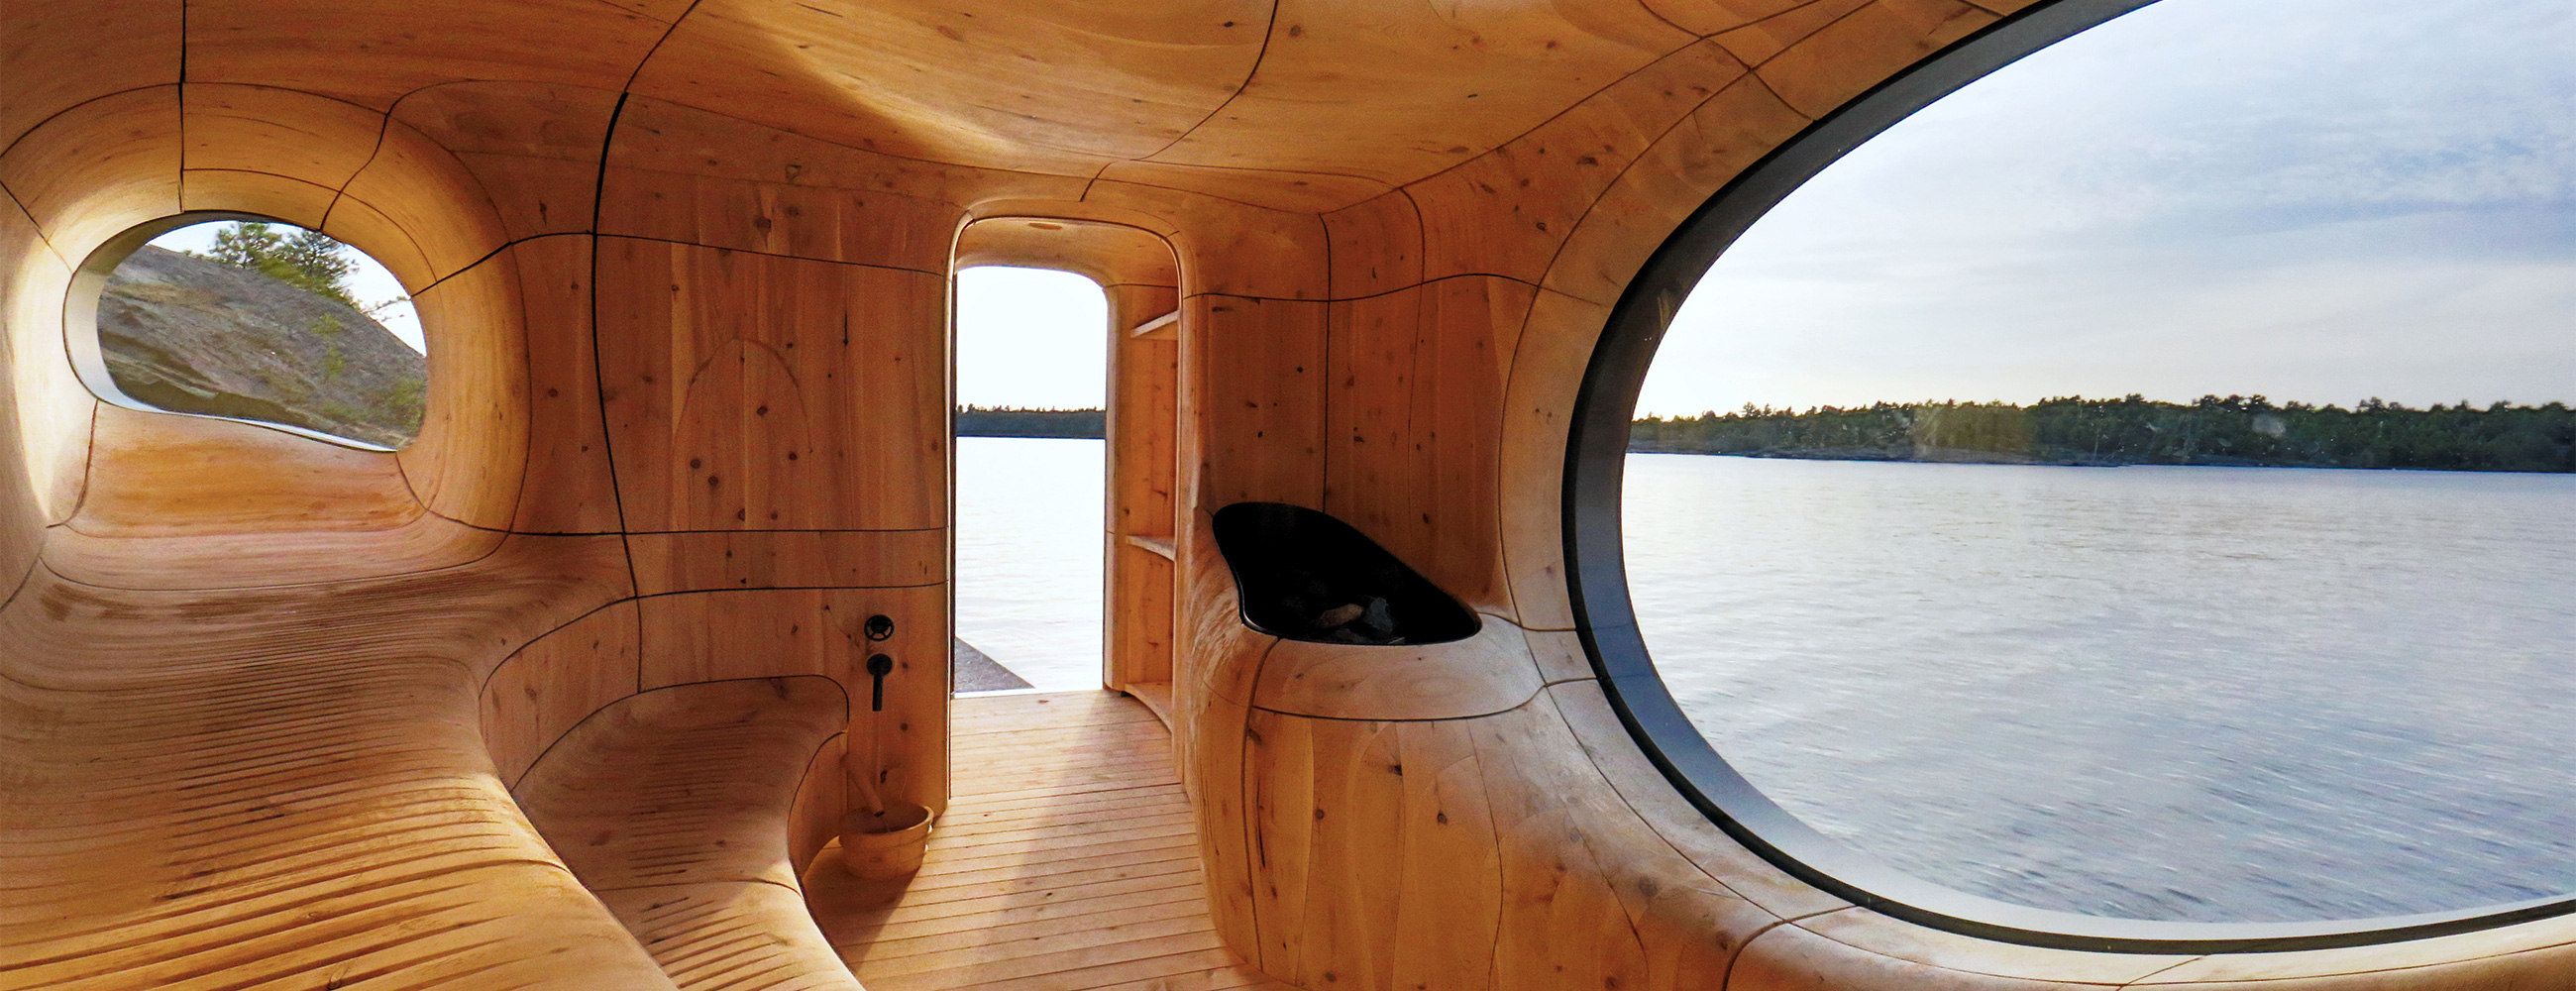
[1031, 514]
[2174, 693]
[2168, 693]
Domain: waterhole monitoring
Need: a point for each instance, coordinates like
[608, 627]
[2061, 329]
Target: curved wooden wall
[684, 266]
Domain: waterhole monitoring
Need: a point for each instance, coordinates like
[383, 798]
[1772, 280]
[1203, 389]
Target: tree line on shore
[2213, 430]
[1013, 421]
[2072, 430]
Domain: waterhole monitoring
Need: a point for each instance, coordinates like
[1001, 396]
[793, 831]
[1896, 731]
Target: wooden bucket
[885, 845]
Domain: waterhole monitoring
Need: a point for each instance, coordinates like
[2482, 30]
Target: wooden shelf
[1165, 326]
[1158, 545]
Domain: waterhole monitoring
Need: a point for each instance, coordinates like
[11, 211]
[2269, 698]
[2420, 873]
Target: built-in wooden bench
[675, 807]
[282, 787]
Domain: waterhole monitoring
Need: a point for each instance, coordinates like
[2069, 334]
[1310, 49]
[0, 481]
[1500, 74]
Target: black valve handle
[879, 666]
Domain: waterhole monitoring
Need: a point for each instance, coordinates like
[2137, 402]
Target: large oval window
[2130, 501]
[255, 320]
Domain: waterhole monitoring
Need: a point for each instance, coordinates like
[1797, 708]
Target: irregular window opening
[2291, 678]
[265, 322]
[1032, 381]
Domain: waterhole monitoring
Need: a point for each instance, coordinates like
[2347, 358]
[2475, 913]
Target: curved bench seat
[231, 789]
[675, 806]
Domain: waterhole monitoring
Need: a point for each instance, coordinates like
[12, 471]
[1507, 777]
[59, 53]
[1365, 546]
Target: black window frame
[1596, 575]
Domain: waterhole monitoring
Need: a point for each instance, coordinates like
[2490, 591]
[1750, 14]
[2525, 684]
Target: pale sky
[2321, 200]
[1031, 338]
[370, 281]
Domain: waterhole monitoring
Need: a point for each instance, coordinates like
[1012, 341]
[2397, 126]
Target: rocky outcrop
[193, 335]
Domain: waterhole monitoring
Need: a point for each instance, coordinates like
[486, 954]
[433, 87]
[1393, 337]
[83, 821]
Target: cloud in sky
[2320, 200]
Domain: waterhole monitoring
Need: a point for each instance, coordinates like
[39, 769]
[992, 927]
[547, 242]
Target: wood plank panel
[751, 392]
[548, 687]
[473, 444]
[568, 487]
[90, 172]
[716, 636]
[698, 562]
[534, 147]
[58, 56]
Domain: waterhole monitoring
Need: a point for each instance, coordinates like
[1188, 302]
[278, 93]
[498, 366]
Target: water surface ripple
[2215, 694]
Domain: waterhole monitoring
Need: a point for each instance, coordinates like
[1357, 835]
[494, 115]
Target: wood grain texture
[677, 807]
[1488, 673]
[752, 392]
[701, 562]
[548, 687]
[59, 56]
[86, 174]
[284, 785]
[1066, 861]
[685, 273]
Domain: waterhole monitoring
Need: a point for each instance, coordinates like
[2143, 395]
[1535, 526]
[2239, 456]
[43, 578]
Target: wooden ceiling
[1329, 101]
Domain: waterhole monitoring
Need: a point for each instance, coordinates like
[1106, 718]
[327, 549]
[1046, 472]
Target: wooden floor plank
[1067, 861]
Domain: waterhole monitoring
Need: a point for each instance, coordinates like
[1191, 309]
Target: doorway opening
[1031, 483]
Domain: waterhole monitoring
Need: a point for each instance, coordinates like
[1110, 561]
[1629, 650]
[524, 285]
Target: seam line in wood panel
[1085, 195]
[598, 372]
[1324, 381]
[489, 676]
[1258, 57]
[58, 114]
[550, 746]
[1558, 712]
[668, 29]
[1786, 46]
[1246, 204]
[384, 124]
[1384, 187]
[41, 237]
[942, 163]
[1727, 981]
[1569, 108]
[1751, 73]
[1421, 234]
[1658, 15]
[2143, 978]
[34, 561]
[772, 254]
[854, 191]
[1379, 295]
[505, 245]
[89, 462]
[182, 100]
[1423, 718]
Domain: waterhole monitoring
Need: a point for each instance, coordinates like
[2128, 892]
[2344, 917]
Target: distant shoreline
[2233, 432]
[2229, 432]
[1970, 458]
[1069, 424]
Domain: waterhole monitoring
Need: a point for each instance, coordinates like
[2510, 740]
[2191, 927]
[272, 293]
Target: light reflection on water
[1030, 517]
[2177, 693]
